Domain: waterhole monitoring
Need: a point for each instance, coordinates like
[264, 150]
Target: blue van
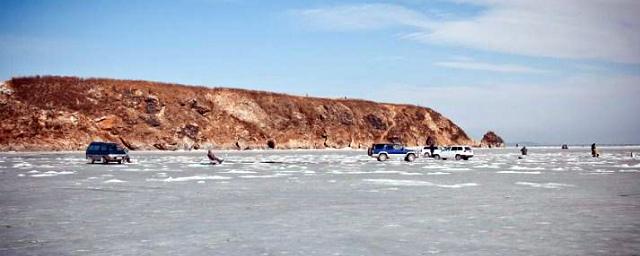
[106, 152]
[382, 152]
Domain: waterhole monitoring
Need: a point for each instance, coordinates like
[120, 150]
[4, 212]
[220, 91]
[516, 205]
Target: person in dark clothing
[524, 150]
[594, 151]
[432, 148]
[214, 159]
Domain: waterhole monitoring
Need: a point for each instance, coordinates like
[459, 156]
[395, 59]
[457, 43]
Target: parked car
[106, 152]
[383, 152]
[426, 151]
[455, 152]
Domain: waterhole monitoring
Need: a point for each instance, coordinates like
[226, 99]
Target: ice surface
[333, 202]
[114, 181]
[393, 182]
[191, 178]
[544, 185]
[517, 172]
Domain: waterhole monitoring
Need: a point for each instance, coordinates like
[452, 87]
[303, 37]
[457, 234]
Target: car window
[457, 148]
[103, 148]
[467, 149]
[396, 147]
[378, 146]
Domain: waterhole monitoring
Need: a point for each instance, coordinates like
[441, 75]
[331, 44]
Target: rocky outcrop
[491, 140]
[66, 113]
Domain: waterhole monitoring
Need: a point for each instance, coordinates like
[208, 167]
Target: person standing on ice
[594, 151]
[524, 150]
[214, 159]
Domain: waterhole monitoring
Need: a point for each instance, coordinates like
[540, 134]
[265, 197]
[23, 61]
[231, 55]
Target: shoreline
[204, 151]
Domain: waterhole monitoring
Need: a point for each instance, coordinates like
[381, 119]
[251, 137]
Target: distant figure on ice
[214, 159]
[524, 150]
[594, 151]
[564, 146]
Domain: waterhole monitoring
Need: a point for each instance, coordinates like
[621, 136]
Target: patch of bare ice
[456, 169]
[52, 173]
[239, 172]
[488, 166]
[264, 176]
[413, 183]
[516, 167]
[114, 181]
[438, 173]
[603, 171]
[516, 172]
[190, 178]
[22, 165]
[551, 185]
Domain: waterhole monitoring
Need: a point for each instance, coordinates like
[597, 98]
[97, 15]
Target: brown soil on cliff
[66, 113]
[492, 140]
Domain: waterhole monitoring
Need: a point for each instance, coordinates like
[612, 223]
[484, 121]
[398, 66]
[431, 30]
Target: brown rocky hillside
[66, 113]
[491, 139]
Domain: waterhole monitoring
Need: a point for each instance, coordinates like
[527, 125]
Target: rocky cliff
[66, 113]
[491, 140]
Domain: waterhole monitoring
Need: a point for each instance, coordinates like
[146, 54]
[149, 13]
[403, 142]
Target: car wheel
[104, 160]
[383, 157]
[427, 154]
[410, 158]
[465, 158]
[93, 161]
[119, 161]
[437, 157]
[458, 157]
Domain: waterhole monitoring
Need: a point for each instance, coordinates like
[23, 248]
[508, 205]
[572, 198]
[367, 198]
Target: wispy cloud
[483, 66]
[363, 16]
[586, 29]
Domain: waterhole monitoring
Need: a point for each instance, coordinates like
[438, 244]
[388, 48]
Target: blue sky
[546, 71]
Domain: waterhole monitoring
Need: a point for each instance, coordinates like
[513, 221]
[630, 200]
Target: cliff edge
[66, 113]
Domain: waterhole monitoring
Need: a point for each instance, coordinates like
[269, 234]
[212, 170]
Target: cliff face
[66, 113]
[492, 140]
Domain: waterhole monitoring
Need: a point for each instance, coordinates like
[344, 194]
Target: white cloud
[574, 29]
[363, 16]
[483, 66]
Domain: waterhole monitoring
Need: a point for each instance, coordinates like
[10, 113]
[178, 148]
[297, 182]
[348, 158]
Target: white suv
[457, 152]
[426, 151]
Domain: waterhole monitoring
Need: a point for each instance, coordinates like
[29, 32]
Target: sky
[545, 71]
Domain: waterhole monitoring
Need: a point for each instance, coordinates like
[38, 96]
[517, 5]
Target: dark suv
[107, 152]
[382, 152]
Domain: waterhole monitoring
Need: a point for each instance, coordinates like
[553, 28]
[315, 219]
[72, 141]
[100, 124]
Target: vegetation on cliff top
[65, 113]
